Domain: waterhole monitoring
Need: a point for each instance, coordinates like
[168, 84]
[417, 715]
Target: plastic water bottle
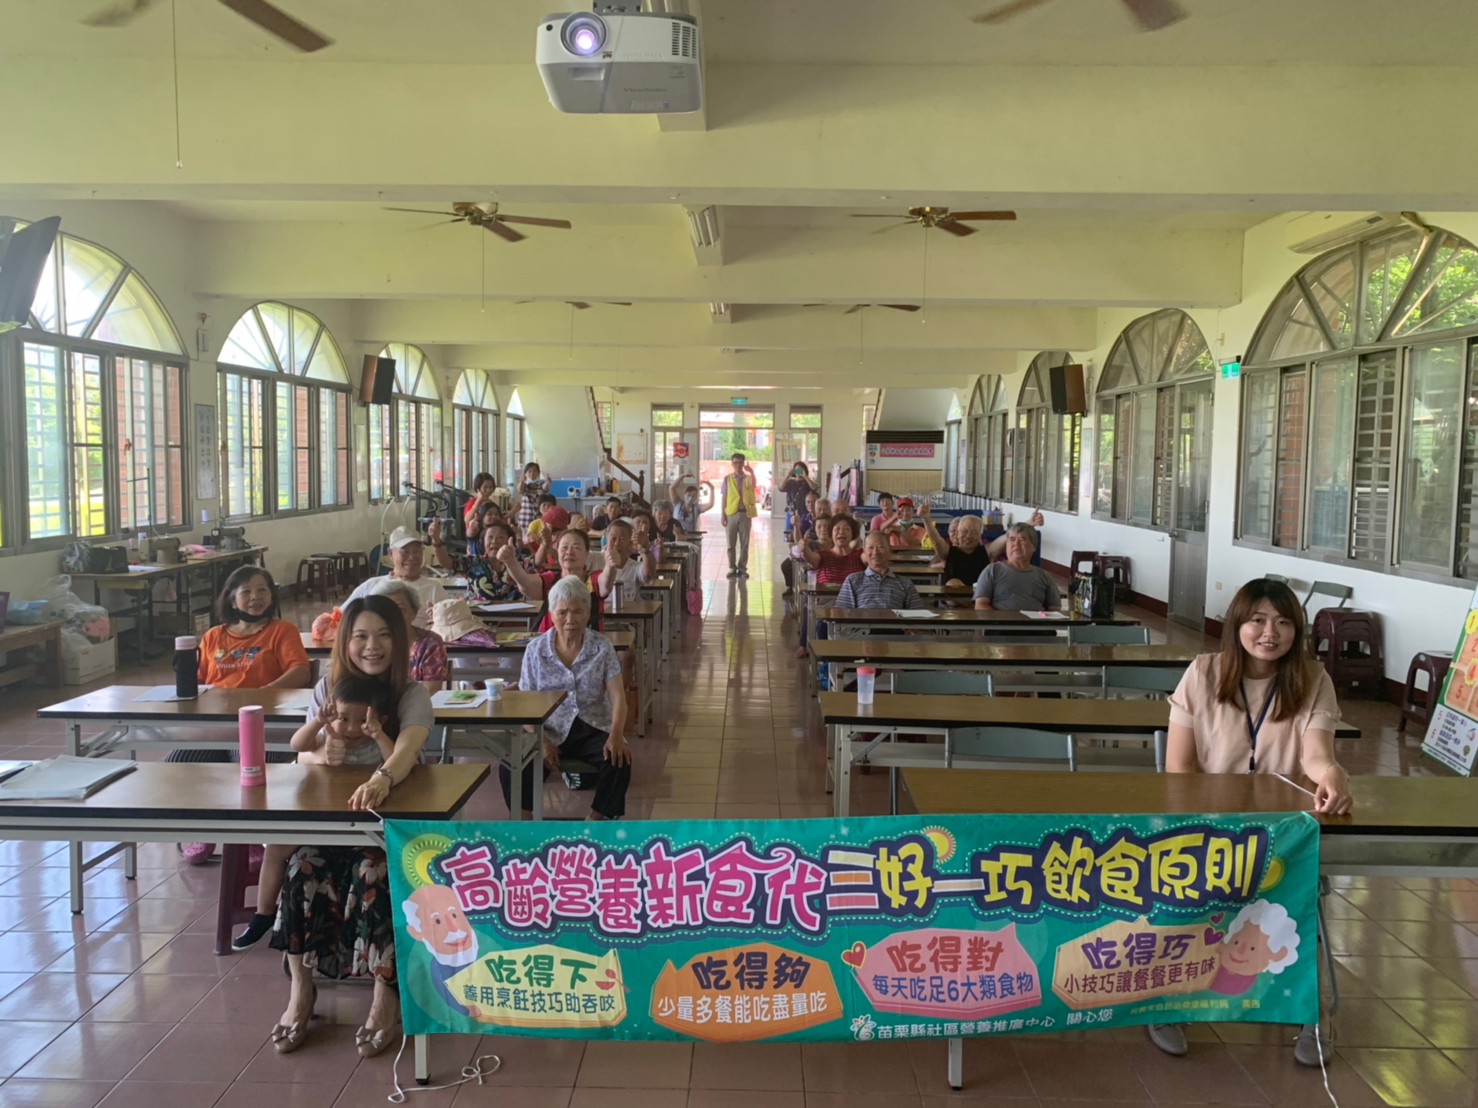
[867, 678]
[186, 667]
[251, 729]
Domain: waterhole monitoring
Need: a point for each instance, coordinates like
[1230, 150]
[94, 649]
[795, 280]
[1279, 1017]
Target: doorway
[723, 432]
[1193, 407]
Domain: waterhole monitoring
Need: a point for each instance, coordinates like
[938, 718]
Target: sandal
[288, 1039]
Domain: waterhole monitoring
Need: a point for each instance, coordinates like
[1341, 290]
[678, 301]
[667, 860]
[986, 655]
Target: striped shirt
[868, 590]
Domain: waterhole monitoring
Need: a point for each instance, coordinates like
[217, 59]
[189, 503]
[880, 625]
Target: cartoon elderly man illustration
[1262, 939]
[433, 916]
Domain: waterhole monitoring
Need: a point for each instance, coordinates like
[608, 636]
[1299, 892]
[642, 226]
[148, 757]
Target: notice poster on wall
[1452, 733]
[206, 458]
[853, 929]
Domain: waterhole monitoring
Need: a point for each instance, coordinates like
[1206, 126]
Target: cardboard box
[90, 662]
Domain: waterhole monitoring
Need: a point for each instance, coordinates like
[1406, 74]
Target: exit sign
[738, 401]
[1230, 371]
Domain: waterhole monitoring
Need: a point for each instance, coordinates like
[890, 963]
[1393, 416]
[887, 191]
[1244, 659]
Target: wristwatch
[381, 771]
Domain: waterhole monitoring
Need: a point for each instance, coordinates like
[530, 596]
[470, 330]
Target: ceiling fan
[490, 218]
[581, 305]
[268, 17]
[943, 218]
[1151, 15]
[896, 307]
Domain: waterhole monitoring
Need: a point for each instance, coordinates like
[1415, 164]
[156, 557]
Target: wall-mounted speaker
[377, 380]
[1066, 385]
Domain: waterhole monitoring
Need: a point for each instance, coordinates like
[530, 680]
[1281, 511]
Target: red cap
[556, 518]
[905, 502]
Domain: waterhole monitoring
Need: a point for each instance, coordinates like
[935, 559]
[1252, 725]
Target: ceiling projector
[620, 62]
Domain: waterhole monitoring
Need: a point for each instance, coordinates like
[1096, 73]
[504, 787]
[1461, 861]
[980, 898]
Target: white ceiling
[800, 32]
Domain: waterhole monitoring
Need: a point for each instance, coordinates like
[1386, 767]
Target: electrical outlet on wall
[1218, 586]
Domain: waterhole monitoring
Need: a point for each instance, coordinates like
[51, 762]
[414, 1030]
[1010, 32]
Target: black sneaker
[733, 573]
[744, 573]
[259, 926]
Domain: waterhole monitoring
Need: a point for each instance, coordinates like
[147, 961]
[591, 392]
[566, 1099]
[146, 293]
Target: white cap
[186, 642]
[402, 536]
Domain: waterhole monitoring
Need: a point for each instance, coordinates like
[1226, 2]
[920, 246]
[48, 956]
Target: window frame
[663, 436]
[16, 536]
[273, 380]
[471, 412]
[1124, 404]
[1402, 347]
[1040, 480]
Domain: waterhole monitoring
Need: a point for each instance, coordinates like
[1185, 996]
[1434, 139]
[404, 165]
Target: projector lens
[583, 34]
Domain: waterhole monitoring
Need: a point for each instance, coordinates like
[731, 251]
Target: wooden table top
[280, 706]
[1139, 717]
[977, 653]
[1383, 805]
[186, 790]
[145, 571]
[962, 615]
[23, 634]
[638, 609]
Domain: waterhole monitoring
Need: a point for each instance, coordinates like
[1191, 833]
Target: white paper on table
[456, 581]
[1044, 615]
[163, 694]
[515, 606]
[459, 698]
[914, 613]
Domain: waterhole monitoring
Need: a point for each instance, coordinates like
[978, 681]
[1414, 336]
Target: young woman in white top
[1260, 705]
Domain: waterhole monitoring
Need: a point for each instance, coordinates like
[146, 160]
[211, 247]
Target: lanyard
[1254, 728]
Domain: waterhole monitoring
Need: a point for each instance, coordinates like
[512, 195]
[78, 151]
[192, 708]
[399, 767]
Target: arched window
[1358, 439]
[515, 433]
[284, 415]
[474, 426]
[1047, 475]
[405, 436]
[954, 445]
[93, 385]
[1154, 424]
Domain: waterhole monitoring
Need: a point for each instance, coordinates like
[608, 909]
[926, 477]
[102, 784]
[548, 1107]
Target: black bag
[107, 559]
[1093, 596]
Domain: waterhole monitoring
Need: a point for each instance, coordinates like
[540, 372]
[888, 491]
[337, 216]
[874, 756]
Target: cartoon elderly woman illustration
[1262, 939]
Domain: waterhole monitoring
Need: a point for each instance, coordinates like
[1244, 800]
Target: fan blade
[418, 211]
[277, 22]
[855, 308]
[536, 221]
[901, 307]
[1152, 15]
[497, 228]
[1007, 11]
[954, 228]
[872, 215]
[619, 303]
[1002, 216]
[578, 305]
[120, 13]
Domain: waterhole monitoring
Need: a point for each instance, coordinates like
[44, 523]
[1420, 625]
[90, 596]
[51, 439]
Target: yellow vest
[737, 493]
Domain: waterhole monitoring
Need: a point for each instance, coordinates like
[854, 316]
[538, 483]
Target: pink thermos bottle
[253, 733]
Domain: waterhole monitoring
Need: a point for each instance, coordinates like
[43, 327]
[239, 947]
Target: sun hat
[452, 619]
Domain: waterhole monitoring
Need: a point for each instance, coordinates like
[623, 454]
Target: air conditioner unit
[620, 62]
[1317, 232]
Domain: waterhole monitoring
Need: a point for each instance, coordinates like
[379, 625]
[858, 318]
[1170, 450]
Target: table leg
[956, 1064]
[537, 754]
[844, 769]
[423, 1059]
[74, 739]
[515, 787]
[74, 863]
[54, 650]
[138, 622]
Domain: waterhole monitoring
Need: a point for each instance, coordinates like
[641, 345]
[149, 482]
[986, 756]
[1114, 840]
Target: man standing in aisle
[737, 509]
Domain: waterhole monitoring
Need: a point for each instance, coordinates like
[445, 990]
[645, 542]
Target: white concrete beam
[1022, 263]
[1080, 136]
[687, 326]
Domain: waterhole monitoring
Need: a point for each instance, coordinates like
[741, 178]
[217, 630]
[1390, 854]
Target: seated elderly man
[1016, 585]
[590, 722]
[877, 586]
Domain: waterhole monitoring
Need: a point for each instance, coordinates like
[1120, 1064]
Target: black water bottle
[186, 667]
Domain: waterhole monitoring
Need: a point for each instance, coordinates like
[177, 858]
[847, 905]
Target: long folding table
[1401, 826]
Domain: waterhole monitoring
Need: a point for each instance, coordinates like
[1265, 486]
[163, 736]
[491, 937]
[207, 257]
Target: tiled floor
[127, 1005]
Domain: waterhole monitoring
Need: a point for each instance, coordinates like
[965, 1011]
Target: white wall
[914, 409]
[159, 244]
[1416, 615]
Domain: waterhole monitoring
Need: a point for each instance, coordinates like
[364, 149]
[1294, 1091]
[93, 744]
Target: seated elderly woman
[1016, 585]
[668, 528]
[589, 724]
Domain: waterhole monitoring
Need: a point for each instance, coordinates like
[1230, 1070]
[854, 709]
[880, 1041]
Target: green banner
[843, 929]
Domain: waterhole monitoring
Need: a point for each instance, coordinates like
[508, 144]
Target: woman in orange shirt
[251, 647]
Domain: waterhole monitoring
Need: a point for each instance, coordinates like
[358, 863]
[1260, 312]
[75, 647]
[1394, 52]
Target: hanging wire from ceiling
[174, 49]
